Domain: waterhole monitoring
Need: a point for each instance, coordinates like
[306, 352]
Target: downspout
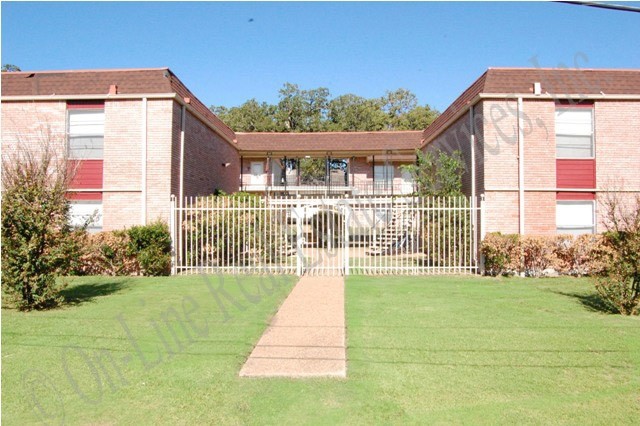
[474, 214]
[182, 126]
[521, 164]
[241, 173]
[143, 215]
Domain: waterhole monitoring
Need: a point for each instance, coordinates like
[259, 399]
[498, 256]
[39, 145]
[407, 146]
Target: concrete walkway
[306, 338]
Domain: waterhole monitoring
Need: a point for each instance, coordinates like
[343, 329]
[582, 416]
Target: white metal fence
[325, 236]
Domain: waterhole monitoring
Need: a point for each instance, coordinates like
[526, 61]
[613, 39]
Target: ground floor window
[575, 217]
[82, 212]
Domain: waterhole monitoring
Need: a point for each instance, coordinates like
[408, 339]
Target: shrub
[531, 254]
[538, 254]
[621, 285]
[501, 254]
[142, 250]
[585, 255]
[36, 238]
[151, 245]
[107, 253]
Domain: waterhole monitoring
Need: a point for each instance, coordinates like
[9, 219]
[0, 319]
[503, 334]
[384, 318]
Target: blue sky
[227, 53]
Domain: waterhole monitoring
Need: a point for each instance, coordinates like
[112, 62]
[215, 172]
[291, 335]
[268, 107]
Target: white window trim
[70, 136]
[93, 226]
[593, 215]
[593, 131]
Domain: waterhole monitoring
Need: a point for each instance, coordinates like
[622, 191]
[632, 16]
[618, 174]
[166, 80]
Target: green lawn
[420, 350]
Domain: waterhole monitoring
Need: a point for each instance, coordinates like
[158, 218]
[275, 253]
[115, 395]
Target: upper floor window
[383, 175]
[86, 130]
[574, 132]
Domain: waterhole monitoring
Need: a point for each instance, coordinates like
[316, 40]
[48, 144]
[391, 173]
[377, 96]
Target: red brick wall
[32, 124]
[122, 164]
[617, 143]
[205, 154]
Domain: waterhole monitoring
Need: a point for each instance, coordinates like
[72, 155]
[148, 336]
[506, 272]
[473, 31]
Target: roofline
[562, 69]
[528, 96]
[319, 152]
[85, 70]
[84, 97]
[172, 95]
[377, 132]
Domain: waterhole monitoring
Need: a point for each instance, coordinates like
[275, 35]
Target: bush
[107, 253]
[501, 254]
[585, 255]
[530, 254]
[620, 288]
[37, 242]
[538, 254]
[142, 250]
[151, 244]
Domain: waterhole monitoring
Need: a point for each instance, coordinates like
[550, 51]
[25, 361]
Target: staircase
[395, 236]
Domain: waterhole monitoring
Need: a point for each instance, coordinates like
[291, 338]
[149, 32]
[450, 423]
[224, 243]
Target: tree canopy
[10, 68]
[315, 110]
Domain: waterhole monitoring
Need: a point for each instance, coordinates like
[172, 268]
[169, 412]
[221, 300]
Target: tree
[419, 118]
[354, 113]
[397, 105]
[437, 173]
[37, 242]
[302, 110]
[620, 287]
[10, 68]
[251, 116]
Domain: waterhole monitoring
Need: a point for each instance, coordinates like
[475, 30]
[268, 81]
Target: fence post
[172, 232]
[345, 246]
[483, 227]
[299, 254]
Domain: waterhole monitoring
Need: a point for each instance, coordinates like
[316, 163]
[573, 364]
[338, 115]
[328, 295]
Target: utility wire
[610, 6]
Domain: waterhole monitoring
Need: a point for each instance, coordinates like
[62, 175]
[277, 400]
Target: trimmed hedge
[531, 255]
[140, 250]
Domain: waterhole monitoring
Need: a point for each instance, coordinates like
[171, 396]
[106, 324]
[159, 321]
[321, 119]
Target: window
[575, 217]
[83, 211]
[383, 175]
[574, 132]
[86, 133]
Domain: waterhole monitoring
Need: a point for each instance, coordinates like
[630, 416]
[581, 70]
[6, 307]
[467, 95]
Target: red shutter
[89, 104]
[575, 196]
[88, 176]
[576, 173]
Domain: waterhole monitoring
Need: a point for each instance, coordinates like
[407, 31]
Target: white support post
[299, 254]
[345, 246]
[483, 209]
[143, 213]
[521, 164]
[172, 231]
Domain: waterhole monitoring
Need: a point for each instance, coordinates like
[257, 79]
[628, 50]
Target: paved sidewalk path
[306, 338]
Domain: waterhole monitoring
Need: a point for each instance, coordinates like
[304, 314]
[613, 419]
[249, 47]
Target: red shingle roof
[329, 141]
[97, 82]
[556, 81]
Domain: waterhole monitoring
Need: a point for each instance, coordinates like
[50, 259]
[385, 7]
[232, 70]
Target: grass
[420, 350]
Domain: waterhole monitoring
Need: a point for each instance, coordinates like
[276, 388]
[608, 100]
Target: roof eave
[529, 96]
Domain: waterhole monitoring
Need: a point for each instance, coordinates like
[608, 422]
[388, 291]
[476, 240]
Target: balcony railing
[355, 189]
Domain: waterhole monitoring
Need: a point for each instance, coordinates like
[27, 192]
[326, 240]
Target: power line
[610, 6]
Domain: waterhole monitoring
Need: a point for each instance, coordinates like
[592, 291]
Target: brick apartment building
[541, 145]
[139, 137]
[544, 145]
